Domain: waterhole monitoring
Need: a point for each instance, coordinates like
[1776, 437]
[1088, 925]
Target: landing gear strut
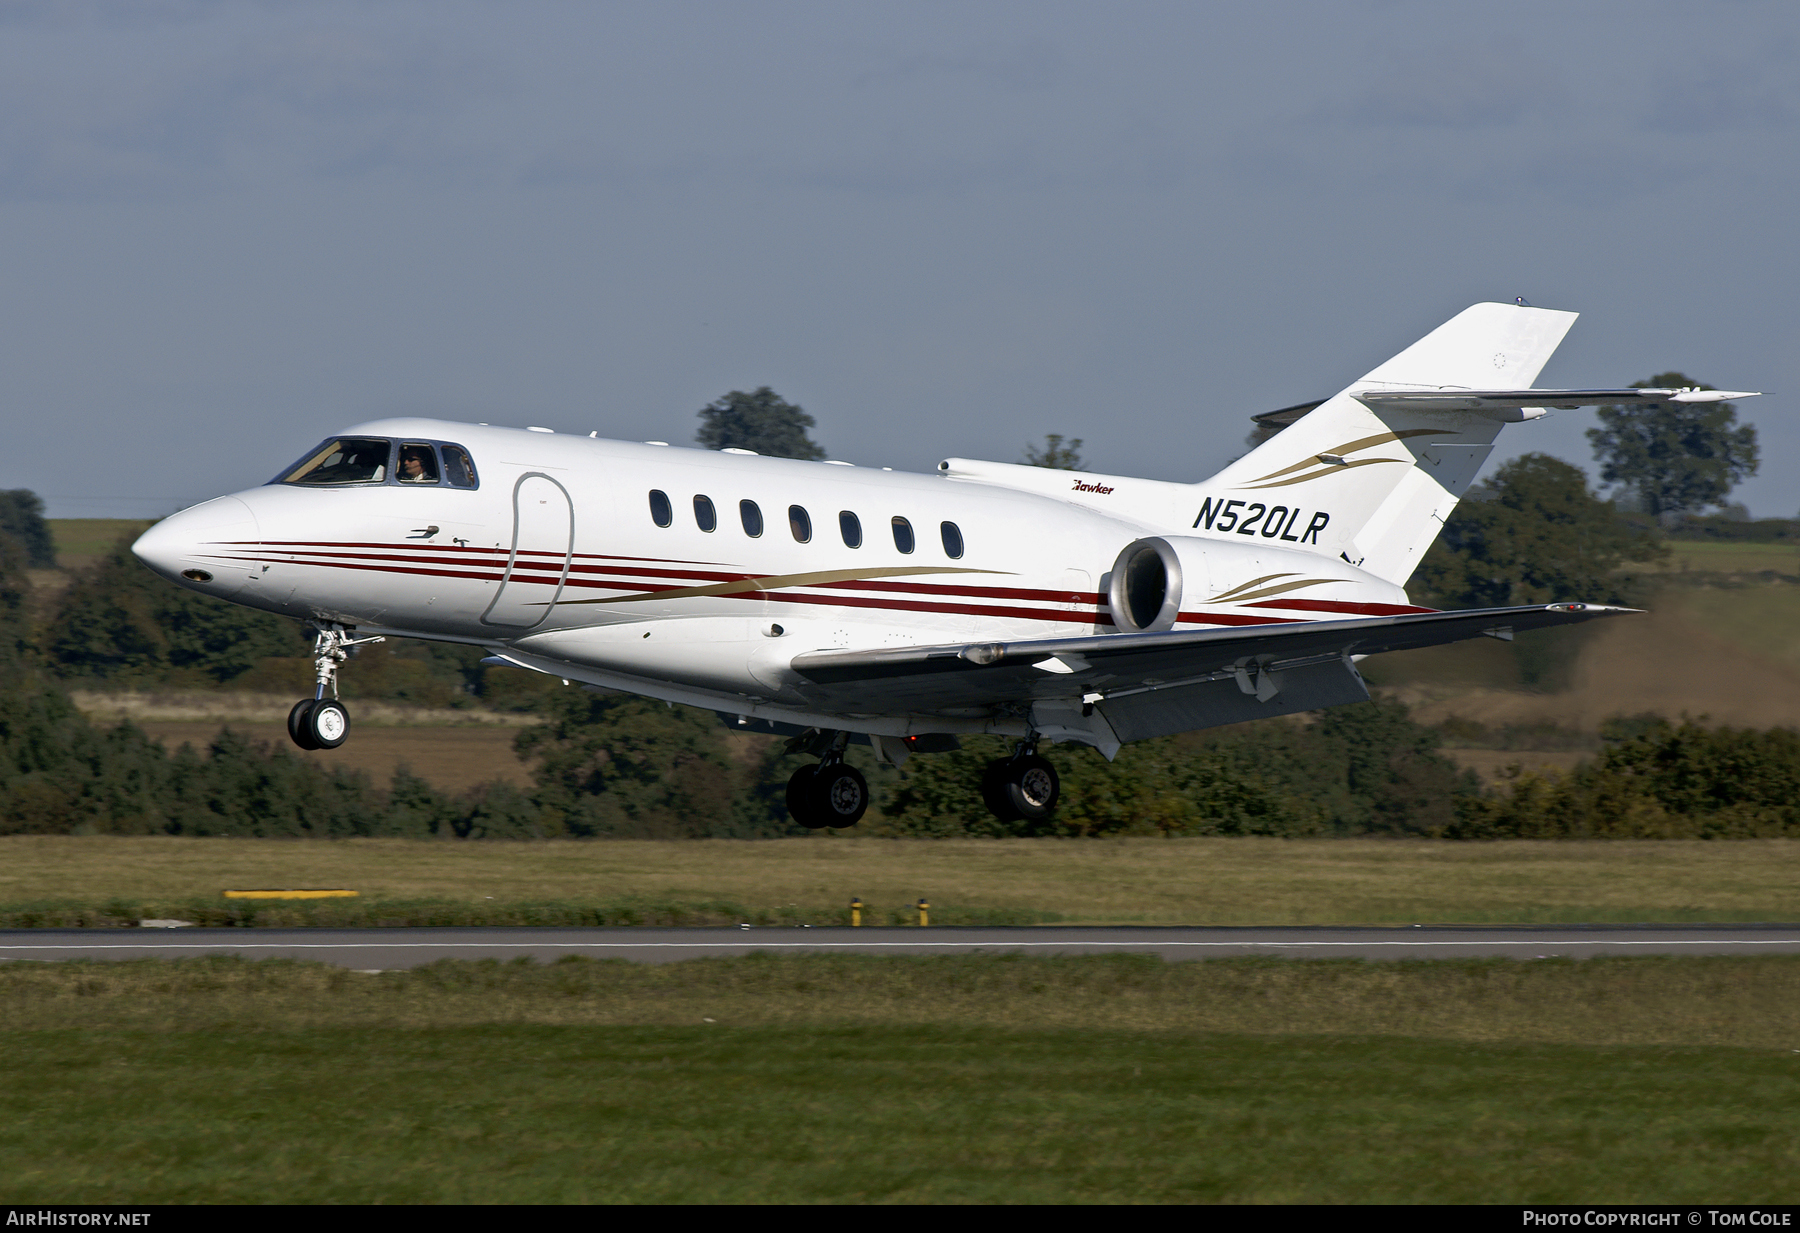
[319, 722]
[831, 792]
[1023, 787]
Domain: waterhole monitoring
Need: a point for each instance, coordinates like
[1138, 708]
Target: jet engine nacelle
[1148, 580]
[1160, 579]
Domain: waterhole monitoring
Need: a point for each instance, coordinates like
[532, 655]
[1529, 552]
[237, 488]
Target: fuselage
[697, 576]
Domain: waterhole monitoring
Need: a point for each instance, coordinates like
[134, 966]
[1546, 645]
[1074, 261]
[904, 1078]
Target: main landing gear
[1023, 787]
[830, 792]
[319, 722]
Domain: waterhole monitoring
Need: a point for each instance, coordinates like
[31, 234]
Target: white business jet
[832, 602]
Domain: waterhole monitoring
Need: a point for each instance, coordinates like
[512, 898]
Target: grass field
[854, 1079]
[1729, 653]
[1764, 618]
[1750, 1002]
[1116, 881]
[453, 750]
[80, 541]
[1715, 556]
[451, 758]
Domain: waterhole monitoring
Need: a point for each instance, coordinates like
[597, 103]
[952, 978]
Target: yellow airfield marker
[291, 894]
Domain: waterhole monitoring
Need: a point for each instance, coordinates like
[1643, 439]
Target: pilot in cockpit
[417, 466]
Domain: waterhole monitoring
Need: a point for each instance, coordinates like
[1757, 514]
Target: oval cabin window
[751, 517]
[851, 527]
[661, 512]
[705, 516]
[800, 523]
[903, 535]
[953, 545]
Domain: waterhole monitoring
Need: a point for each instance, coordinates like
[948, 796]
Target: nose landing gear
[319, 722]
[831, 792]
[1024, 787]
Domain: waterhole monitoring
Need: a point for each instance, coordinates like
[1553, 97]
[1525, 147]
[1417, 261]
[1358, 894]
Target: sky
[228, 230]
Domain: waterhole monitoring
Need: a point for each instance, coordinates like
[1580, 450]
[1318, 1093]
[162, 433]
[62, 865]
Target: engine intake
[1145, 592]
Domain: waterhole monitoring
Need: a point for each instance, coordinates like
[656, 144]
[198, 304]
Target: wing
[1111, 667]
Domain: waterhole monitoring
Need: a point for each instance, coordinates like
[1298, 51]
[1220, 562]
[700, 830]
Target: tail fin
[1374, 484]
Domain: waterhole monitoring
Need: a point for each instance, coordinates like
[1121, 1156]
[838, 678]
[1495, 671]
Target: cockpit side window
[418, 464]
[343, 460]
[458, 468]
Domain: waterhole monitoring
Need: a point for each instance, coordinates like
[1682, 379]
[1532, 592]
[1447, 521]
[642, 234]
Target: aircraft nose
[212, 547]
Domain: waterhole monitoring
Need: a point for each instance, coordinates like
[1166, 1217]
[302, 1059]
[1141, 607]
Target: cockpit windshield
[347, 460]
[372, 460]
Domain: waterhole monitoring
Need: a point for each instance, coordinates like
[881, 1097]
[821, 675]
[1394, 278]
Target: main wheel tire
[993, 790]
[1033, 788]
[328, 724]
[840, 795]
[298, 730]
[800, 797]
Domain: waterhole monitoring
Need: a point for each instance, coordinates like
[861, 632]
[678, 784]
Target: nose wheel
[319, 722]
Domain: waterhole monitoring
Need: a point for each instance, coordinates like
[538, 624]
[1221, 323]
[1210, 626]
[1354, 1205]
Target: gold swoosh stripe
[1361, 443]
[1280, 590]
[776, 582]
[1322, 471]
[1244, 586]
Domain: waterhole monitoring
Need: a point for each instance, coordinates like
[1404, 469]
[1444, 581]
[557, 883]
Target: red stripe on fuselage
[554, 566]
[1347, 606]
[326, 543]
[380, 569]
[896, 605]
[1230, 618]
[549, 573]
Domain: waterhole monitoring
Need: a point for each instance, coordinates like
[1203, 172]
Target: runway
[385, 949]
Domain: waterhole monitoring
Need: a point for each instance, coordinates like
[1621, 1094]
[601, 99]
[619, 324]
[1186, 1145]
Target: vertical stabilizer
[1374, 486]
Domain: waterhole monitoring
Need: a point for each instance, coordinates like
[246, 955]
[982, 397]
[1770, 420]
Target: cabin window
[418, 464]
[903, 535]
[346, 460]
[705, 516]
[953, 545]
[457, 467]
[752, 518]
[800, 523]
[851, 526]
[661, 512]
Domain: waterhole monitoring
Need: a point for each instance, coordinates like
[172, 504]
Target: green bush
[22, 518]
[624, 767]
[1655, 780]
[1533, 534]
[1357, 770]
[120, 622]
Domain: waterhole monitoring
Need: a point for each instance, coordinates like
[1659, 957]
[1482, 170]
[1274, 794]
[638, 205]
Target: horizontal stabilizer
[1516, 405]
